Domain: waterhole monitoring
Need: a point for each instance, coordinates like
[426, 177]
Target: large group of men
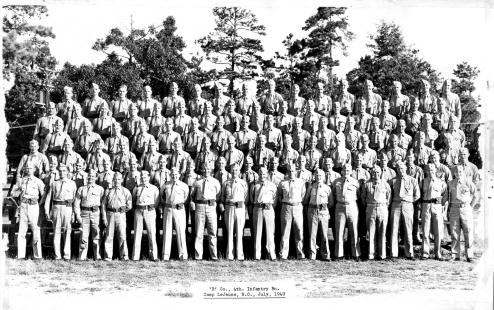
[383, 169]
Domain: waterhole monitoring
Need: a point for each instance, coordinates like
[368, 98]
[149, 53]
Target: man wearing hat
[174, 194]
[291, 192]
[60, 198]
[30, 190]
[116, 202]
[87, 206]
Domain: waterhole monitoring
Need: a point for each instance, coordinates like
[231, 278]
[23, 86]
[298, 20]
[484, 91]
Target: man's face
[220, 123]
[283, 108]
[59, 127]
[29, 170]
[209, 108]
[133, 165]
[384, 162]
[207, 170]
[51, 109]
[248, 164]
[149, 92]
[173, 88]
[274, 163]
[319, 176]
[347, 171]
[301, 162]
[169, 125]
[67, 146]
[144, 178]
[288, 141]
[91, 177]
[133, 111]
[320, 88]
[460, 173]
[78, 166]
[198, 90]
[181, 108]
[236, 171]
[329, 165]
[53, 164]
[231, 144]
[421, 139]
[122, 92]
[33, 146]
[142, 127]
[106, 165]
[270, 121]
[68, 94]
[222, 164]
[77, 110]
[401, 170]
[244, 123]
[63, 172]
[263, 175]
[116, 129]
[401, 127]
[162, 163]
[175, 175]
[365, 141]
[410, 160]
[262, 141]
[95, 90]
[313, 143]
[337, 108]
[376, 174]
[206, 144]
[431, 170]
[117, 179]
[178, 145]
[271, 86]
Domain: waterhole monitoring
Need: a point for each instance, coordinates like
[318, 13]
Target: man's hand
[79, 219]
[192, 206]
[221, 208]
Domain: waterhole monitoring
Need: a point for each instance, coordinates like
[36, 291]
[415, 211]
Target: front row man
[91, 206]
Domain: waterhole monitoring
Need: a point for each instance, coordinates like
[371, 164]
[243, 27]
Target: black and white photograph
[207, 154]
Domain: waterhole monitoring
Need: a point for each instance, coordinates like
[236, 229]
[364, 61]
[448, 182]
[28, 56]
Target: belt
[323, 206]
[92, 208]
[62, 202]
[460, 204]
[167, 151]
[266, 206]
[145, 207]
[353, 203]
[177, 206]
[402, 202]
[115, 210]
[432, 200]
[293, 204]
[377, 204]
[210, 202]
[29, 201]
[239, 204]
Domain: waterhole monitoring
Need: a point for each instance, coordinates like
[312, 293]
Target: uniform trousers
[117, 221]
[90, 225]
[401, 213]
[61, 216]
[292, 216]
[173, 217]
[235, 222]
[432, 213]
[149, 218]
[347, 216]
[316, 219]
[29, 218]
[461, 217]
[376, 218]
[205, 215]
[263, 217]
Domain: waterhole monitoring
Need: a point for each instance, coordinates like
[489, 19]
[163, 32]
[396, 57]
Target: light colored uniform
[461, 196]
[405, 191]
[40, 162]
[346, 195]
[434, 195]
[30, 190]
[87, 203]
[320, 198]
[205, 193]
[263, 196]
[116, 202]
[174, 195]
[62, 194]
[234, 195]
[291, 193]
[146, 199]
[376, 195]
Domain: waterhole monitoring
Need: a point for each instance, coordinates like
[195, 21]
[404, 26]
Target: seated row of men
[294, 200]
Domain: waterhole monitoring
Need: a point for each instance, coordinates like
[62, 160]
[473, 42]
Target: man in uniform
[234, 196]
[91, 106]
[116, 202]
[462, 198]
[274, 138]
[204, 194]
[319, 199]
[87, 206]
[74, 125]
[120, 107]
[233, 156]
[46, 124]
[263, 198]
[146, 106]
[170, 103]
[405, 191]
[245, 137]
[38, 160]
[145, 199]
[346, 190]
[166, 138]
[30, 190]
[54, 141]
[291, 192]
[174, 194]
[60, 197]
[434, 198]
[271, 101]
[376, 195]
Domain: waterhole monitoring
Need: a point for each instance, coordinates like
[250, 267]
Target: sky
[445, 32]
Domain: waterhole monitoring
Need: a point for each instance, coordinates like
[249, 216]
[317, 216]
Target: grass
[174, 278]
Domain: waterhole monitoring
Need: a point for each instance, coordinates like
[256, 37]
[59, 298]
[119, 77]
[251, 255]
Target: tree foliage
[391, 60]
[154, 54]
[27, 60]
[464, 85]
[234, 43]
